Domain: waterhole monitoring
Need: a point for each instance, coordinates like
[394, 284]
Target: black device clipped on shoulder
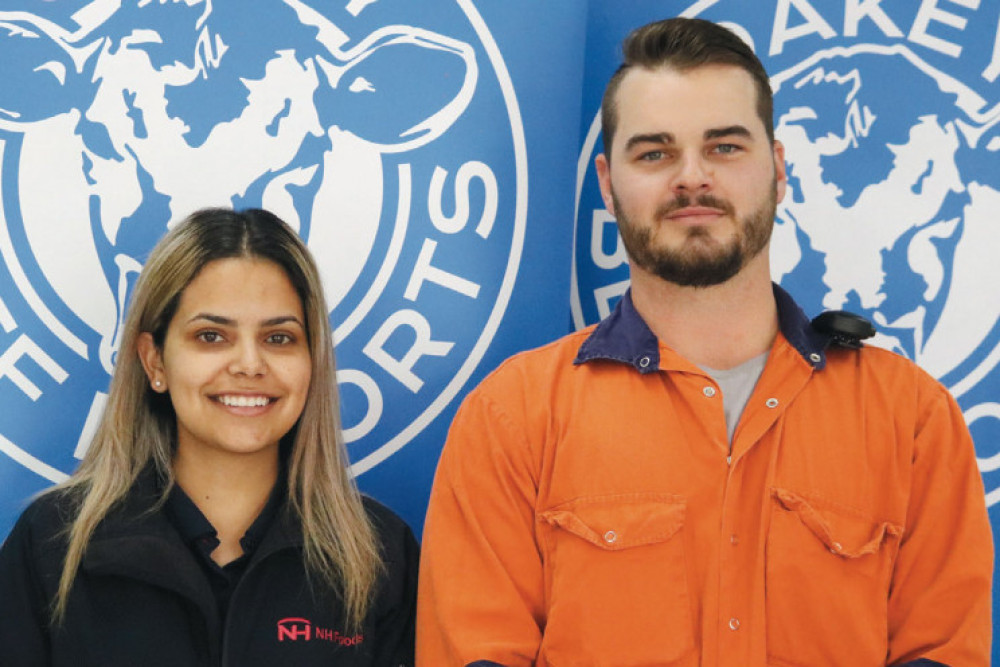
[845, 329]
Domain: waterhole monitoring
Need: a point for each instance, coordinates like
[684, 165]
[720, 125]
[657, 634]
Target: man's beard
[700, 261]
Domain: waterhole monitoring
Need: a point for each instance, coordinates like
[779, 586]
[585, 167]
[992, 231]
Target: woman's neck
[230, 491]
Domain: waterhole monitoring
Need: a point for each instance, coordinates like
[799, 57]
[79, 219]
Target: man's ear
[152, 361]
[604, 181]
[780, 170]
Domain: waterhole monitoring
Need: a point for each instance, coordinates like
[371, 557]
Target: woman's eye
[209, 336]
[280, 339]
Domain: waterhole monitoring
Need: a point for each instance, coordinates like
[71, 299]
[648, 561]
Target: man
[703, 478]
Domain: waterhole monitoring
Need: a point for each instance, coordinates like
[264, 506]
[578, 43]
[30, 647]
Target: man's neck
[716, 327]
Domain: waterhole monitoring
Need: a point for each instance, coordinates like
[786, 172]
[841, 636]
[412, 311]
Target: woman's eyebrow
[229, 322]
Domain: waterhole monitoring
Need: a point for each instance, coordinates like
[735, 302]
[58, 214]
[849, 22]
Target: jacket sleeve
[481, 583]
[23, 612]
[396, 626]
[940, 597]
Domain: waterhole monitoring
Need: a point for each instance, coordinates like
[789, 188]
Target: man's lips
[695, 215]
[695, 212]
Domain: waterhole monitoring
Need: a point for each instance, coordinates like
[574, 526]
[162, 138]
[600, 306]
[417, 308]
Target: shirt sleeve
[23, 614]
[940, 598]
[481, 584]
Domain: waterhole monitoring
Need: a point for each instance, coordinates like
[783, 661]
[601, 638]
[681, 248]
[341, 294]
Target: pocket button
[610, 537]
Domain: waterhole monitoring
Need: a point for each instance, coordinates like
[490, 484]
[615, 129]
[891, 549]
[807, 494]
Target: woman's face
[235, 359]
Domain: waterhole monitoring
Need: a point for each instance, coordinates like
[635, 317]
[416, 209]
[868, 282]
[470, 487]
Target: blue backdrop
[438, 159]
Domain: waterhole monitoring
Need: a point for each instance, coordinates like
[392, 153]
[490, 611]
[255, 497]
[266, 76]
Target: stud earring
[158, 384]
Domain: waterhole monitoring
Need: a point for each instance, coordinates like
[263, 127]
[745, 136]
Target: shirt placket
[704, 395]
[740, 618]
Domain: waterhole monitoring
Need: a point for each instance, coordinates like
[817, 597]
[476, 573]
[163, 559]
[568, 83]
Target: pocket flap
[620, 521]
[843, 531]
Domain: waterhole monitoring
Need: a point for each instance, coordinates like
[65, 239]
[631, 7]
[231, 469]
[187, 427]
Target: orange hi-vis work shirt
[587, 510]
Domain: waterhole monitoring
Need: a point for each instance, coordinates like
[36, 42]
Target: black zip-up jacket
[141, 598]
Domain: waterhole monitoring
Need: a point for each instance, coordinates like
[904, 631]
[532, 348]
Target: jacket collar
[625, 337]
[137, 539]
[194, 527]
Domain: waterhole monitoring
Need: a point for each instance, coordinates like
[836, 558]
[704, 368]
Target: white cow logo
[146, 110]
[145, 122]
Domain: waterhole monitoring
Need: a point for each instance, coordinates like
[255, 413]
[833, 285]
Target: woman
[212, 521]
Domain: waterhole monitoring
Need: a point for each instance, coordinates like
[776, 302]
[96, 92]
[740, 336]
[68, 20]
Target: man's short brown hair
[684, 44]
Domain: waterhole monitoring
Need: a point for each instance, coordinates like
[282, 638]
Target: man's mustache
[684, 201]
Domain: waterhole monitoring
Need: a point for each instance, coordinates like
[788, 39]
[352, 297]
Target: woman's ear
[152, 361]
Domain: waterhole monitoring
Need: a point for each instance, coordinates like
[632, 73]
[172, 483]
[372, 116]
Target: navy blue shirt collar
[197, 531]
[625, 337]
[201, 537]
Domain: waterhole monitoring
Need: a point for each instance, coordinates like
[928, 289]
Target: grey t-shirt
[737, 384]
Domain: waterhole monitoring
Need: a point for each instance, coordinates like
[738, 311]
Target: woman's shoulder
[396, 600]
[37, 541]
[395, 536]
[48, 515]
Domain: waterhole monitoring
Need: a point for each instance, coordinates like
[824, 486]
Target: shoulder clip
[844, 329]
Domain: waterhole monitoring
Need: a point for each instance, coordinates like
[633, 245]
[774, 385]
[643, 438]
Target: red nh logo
[294, 629]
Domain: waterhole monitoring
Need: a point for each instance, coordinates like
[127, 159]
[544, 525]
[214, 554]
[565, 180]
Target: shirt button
[644, 362]
[610, 537]
[734, 624]
[815, 358]
[734, 540]
[771, 402]
[708, 391]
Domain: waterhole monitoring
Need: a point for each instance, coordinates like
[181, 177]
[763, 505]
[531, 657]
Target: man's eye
[727, 149]
[651, 156]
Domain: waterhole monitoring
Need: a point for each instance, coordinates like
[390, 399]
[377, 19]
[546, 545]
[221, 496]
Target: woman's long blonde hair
[138, 427]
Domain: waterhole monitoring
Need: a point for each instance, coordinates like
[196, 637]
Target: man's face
[695, 179]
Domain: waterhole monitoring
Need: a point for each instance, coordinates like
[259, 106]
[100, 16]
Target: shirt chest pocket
[827, 579]
[617, 581]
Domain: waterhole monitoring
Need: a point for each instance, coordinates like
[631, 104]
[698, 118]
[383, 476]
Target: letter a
[783, 33]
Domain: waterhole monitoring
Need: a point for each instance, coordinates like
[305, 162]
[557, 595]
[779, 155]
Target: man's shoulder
[892, 369]
[873, 356]
[537, 363]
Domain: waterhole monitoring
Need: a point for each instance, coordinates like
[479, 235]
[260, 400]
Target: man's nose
[693, 174]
